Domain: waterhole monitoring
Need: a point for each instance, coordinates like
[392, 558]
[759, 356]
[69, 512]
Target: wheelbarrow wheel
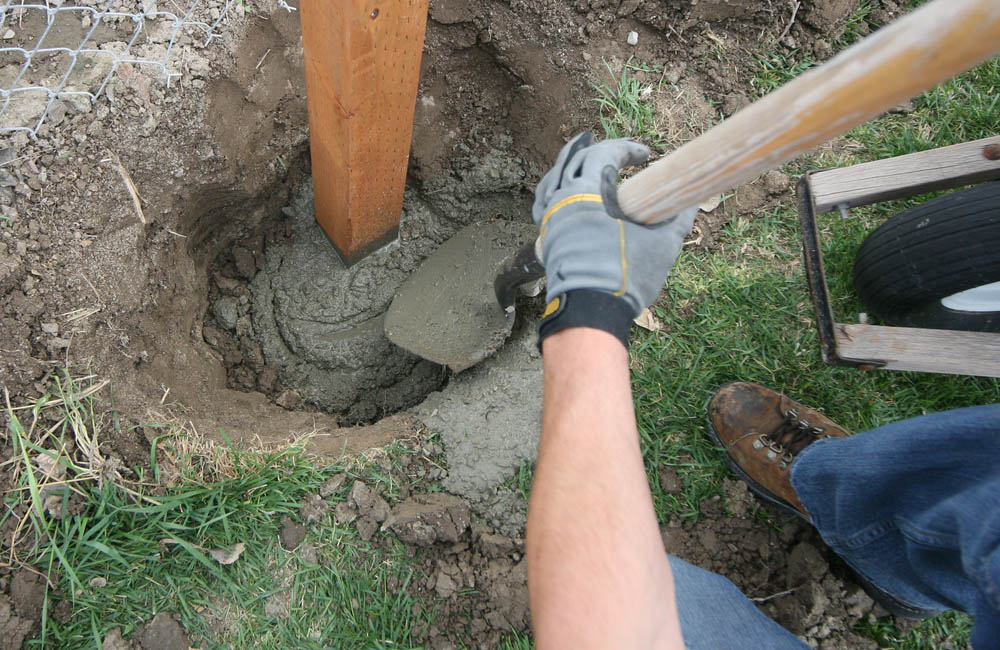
[936, 265]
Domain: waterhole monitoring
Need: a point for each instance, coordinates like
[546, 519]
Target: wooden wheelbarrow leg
[362, 61]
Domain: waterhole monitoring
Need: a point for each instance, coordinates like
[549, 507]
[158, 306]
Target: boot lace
[792, 436]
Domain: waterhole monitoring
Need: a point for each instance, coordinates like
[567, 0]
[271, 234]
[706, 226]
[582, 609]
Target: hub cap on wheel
[984, 298]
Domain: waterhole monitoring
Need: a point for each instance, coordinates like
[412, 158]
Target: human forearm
[597, 571]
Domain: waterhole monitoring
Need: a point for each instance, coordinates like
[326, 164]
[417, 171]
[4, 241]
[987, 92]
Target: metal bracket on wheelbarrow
[867, 347]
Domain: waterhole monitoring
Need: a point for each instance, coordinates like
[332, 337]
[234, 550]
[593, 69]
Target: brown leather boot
[762, 431]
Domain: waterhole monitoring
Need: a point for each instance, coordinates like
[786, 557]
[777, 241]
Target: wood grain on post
[362, 61]
[933, 43]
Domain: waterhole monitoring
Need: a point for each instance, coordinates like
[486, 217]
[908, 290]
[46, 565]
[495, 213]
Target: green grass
[779, 66]
[949, 628]
[776, 69]
[624, 109]
[517, 642]
[743, 312]
[520, 482]
[133, 553]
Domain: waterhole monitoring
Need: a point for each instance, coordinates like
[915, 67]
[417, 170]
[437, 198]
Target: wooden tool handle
[931, 44]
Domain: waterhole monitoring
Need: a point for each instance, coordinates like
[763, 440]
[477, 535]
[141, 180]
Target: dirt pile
[476, 578]
[784, 567]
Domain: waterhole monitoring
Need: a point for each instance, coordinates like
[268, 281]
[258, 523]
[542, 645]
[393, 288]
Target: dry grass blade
[130, 186]
[87, 392]
[79, 314]
[61, 455]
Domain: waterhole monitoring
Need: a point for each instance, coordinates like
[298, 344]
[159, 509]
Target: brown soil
[85, 285]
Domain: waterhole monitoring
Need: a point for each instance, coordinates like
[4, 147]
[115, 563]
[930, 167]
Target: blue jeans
[913, 506]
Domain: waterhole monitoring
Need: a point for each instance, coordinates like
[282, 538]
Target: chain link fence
[60, 55]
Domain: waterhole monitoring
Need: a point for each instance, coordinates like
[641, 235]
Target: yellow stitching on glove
[621, 238]
[569, 200]
[552, 307]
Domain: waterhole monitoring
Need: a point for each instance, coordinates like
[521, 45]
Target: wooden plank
[923, 350]
[362, 60]
[925, 47]
[915, 173]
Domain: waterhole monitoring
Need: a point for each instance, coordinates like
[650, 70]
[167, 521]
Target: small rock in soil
[291, 534]
[733, 102]
[289, 399]
[776, 182]
[313, 509]
[428, 518]
[226, 312]
[308, 554]
[164, 633]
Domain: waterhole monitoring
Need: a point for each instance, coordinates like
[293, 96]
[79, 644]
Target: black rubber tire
[938, 248]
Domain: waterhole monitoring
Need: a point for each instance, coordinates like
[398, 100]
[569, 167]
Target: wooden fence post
[362, 62]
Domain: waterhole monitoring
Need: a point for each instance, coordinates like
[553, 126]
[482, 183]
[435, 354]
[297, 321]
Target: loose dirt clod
[164, 633]
[425, 519]
[113, 640]
[13, 629]
[291, 534]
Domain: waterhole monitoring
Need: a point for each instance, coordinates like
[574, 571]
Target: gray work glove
[602, 270]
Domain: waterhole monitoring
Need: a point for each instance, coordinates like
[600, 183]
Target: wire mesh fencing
[60, 55]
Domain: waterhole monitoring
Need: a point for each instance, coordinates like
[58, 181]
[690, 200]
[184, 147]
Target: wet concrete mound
[321, 323]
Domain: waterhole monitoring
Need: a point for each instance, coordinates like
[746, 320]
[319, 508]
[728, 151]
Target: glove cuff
[586, 308]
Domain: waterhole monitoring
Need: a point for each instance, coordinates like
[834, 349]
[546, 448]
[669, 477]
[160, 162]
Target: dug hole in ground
[225, 307]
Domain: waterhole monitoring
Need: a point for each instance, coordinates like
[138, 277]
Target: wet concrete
[490, 419]
[322, 323]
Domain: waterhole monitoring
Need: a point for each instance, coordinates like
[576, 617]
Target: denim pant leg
[715, 615]
[914, 507]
